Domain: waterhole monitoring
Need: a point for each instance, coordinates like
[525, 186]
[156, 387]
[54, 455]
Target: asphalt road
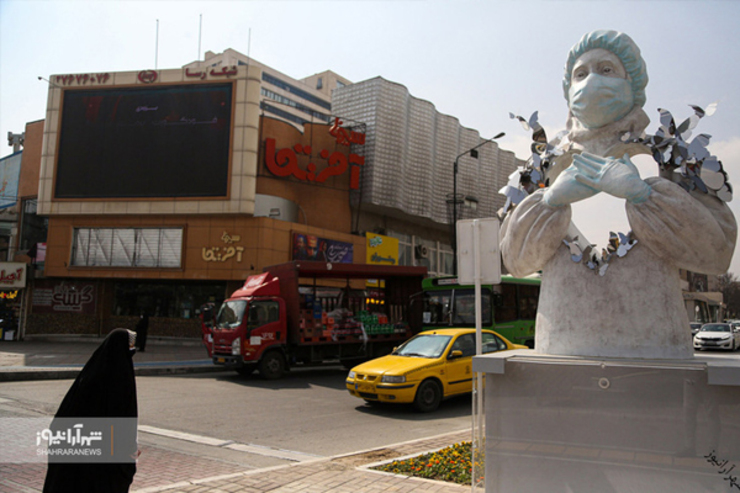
[307, 412]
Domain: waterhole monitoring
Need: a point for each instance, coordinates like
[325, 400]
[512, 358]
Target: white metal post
[477, 236]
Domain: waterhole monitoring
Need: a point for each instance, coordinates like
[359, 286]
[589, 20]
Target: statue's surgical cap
[621, 45]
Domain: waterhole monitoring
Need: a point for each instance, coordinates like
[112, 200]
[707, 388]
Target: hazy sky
[475, 60]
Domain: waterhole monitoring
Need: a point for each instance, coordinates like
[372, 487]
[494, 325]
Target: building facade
[163, 190]
[407, 182]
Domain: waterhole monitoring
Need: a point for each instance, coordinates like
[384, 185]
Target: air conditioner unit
[421, 252]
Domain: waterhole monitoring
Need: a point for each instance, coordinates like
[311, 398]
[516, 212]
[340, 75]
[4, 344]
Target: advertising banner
[381, 250]
[10, 172]
[12, 275]
[64, 297]
[309, 247]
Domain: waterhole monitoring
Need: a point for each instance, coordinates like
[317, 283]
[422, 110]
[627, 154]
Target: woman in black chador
[105, 388]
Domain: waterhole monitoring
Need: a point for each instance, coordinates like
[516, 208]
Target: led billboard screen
[145, 142]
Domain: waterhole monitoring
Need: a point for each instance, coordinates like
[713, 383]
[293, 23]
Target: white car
[717, 336]
[695, 327]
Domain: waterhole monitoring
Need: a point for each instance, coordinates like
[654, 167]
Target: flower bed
[451, 464]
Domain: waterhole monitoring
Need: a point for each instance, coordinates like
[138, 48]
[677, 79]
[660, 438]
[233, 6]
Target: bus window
[464, 313]
[464, 307]
[437, 307]
[505, 303]
[528, 296]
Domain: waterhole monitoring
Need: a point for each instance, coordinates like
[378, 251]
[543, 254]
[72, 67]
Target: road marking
[290, 455]
[215, 442]
[273, 452]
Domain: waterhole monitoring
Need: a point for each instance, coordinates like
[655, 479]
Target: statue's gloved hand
[567, 189]
[617, 177]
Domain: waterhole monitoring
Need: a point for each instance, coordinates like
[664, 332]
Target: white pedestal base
[572, 425]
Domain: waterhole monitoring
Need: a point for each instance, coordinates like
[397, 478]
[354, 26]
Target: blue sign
[10, 173]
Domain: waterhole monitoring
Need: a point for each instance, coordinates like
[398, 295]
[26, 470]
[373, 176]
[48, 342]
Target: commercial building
[162, 190]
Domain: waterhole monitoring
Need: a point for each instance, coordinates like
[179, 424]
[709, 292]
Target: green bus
[509, 308]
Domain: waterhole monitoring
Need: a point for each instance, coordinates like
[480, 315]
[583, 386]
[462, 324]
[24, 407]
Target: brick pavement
[343, 474]
[162, 470]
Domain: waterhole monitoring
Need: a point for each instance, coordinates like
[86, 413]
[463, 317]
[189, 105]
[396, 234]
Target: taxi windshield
[424, 346]
[231, 314]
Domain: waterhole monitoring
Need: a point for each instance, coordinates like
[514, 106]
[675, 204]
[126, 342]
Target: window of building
[172, 300]
[33, 227]
[289, 102]
[320, 83]
[439, 259]
[127, 247]
[270, 79]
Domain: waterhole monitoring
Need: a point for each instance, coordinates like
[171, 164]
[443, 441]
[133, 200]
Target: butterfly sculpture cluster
[691, 164]
[681, 159]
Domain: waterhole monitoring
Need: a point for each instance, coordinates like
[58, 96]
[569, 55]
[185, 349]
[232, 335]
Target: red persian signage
[12, 275]
[284, 162]
[344, 136]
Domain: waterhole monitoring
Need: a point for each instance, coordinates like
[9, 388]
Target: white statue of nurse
[636, 309]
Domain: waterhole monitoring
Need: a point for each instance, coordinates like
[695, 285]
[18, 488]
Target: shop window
[4, 247]
[171, 300]
[127, 247]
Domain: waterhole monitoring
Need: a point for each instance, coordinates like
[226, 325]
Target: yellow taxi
[429, 367]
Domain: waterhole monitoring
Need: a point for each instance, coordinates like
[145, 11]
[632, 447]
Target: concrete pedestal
[572, 425]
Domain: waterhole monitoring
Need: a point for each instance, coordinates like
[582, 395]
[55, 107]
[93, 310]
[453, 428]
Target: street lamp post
[474, 154]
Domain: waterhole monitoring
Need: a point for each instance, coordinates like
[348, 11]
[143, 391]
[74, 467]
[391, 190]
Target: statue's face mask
[600, 91]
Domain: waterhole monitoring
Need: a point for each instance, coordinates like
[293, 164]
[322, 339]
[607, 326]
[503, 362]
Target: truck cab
[250, 324]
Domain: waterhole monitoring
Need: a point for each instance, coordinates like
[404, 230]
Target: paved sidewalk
[343, 474]
[50, 357]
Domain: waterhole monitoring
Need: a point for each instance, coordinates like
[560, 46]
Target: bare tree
[730, 288]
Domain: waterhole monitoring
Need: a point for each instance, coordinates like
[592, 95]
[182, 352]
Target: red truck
[282, 317]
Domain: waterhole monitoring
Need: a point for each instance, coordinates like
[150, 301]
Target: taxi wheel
[428, 396]
[272, 365]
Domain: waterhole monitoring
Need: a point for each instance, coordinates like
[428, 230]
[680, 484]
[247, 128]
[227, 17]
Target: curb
[70, 373]
[95, 339]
